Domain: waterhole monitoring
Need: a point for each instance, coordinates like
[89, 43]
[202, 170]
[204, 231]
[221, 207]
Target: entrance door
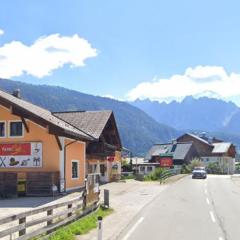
[8, 185]
[103, 173]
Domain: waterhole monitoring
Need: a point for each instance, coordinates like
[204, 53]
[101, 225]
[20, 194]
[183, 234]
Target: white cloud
[1, 32]
[112, 97]
[195, 81]
[46, 54]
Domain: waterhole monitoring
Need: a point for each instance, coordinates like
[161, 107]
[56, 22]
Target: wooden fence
[43, 220]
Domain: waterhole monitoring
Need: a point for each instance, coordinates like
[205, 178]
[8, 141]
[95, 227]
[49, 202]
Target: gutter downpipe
[65, 147]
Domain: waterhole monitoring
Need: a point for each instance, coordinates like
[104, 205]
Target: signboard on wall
[21, 155]
[110, 158]
[166, 162]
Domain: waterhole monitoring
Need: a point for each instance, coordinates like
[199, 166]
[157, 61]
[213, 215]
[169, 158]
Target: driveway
[127, 199]
[22, 204]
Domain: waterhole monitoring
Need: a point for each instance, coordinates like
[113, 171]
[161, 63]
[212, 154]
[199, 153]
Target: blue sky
[129, 46]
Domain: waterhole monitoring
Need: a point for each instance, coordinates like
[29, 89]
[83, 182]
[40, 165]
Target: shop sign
[21, 155]
[110, 158]
[166, 162]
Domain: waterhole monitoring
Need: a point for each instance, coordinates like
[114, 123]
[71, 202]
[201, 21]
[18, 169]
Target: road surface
[190, 209]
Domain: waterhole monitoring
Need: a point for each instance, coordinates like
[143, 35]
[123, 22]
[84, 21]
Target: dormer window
[16, 129]
[2, 129]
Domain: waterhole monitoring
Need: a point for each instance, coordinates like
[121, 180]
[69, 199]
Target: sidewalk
[127, 199]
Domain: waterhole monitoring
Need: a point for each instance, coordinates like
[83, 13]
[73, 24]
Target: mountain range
[216, 117]
[143, 122]
[203, 114]
[138, 130]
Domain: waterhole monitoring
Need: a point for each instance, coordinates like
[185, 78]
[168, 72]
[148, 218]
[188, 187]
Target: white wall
[226, 163]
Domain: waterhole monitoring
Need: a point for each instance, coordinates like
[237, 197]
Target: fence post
[49, 213]
[106, 198]
[23, 231]
[69, 207]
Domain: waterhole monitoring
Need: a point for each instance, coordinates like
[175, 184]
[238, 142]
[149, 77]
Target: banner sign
[110, 158]
[166, 162]
[21, 155]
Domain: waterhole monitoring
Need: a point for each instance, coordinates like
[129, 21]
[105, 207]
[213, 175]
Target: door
[103, 173]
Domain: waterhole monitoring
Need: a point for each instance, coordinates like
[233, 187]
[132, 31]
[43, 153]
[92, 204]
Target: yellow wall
[75, 151]
[50, 149]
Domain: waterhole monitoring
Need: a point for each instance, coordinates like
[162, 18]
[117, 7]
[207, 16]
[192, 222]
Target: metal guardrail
[167, 174]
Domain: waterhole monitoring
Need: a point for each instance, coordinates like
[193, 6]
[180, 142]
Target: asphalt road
[190, 209]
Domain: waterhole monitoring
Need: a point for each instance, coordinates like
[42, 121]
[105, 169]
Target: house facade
[103, 154]
[172, 154]
[39, 148]
[213, 151]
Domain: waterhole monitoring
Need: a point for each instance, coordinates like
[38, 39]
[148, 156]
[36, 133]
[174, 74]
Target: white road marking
[207, 200]
[205, 191]
[220, 238]
[133, 228]
[212, 216]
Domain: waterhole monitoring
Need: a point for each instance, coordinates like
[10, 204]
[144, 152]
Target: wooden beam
[25, 124]
[58, 142]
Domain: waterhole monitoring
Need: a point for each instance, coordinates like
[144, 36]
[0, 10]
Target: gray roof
[155, 149]
[182, 150]
[221, 147]
[179, 152]
[91, 122]
[43, 114]
[199, 138]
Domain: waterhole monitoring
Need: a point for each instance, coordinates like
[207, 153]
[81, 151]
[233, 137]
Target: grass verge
[81, 226]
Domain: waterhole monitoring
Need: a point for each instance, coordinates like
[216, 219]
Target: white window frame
[5, 128]
[9, 129]
[78, 172]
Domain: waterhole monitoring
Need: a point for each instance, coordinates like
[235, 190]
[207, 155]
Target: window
[102, 170]
[142, 169]
[75, 169]
[2, 129]
[16, 129]
[149, 169]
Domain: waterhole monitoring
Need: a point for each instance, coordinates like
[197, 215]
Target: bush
[214, 168]
[188, 168]
[238, 166]
[127, 177]
[185, 169]
[155, 175]
[195, 163]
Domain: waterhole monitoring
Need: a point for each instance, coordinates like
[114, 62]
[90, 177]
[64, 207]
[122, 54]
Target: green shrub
[127, 177]
[188, 168]
[155, 175]
[195, 163]
[185, 169]
[214, 168]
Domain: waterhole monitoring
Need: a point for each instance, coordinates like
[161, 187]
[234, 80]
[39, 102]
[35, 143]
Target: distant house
[170, 154]
[203, 147]
[212, 150]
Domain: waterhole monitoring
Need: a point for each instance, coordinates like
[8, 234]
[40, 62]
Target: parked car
[199, 172]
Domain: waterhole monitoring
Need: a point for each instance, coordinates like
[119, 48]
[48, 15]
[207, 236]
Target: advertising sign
[110, 158]
[21, 155]
[166, 162]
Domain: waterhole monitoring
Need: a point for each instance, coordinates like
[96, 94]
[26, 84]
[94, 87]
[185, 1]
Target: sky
[128, 49]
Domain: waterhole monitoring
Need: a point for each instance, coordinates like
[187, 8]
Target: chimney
[16, 93]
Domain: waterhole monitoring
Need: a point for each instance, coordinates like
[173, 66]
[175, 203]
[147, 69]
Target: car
[199, 172]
